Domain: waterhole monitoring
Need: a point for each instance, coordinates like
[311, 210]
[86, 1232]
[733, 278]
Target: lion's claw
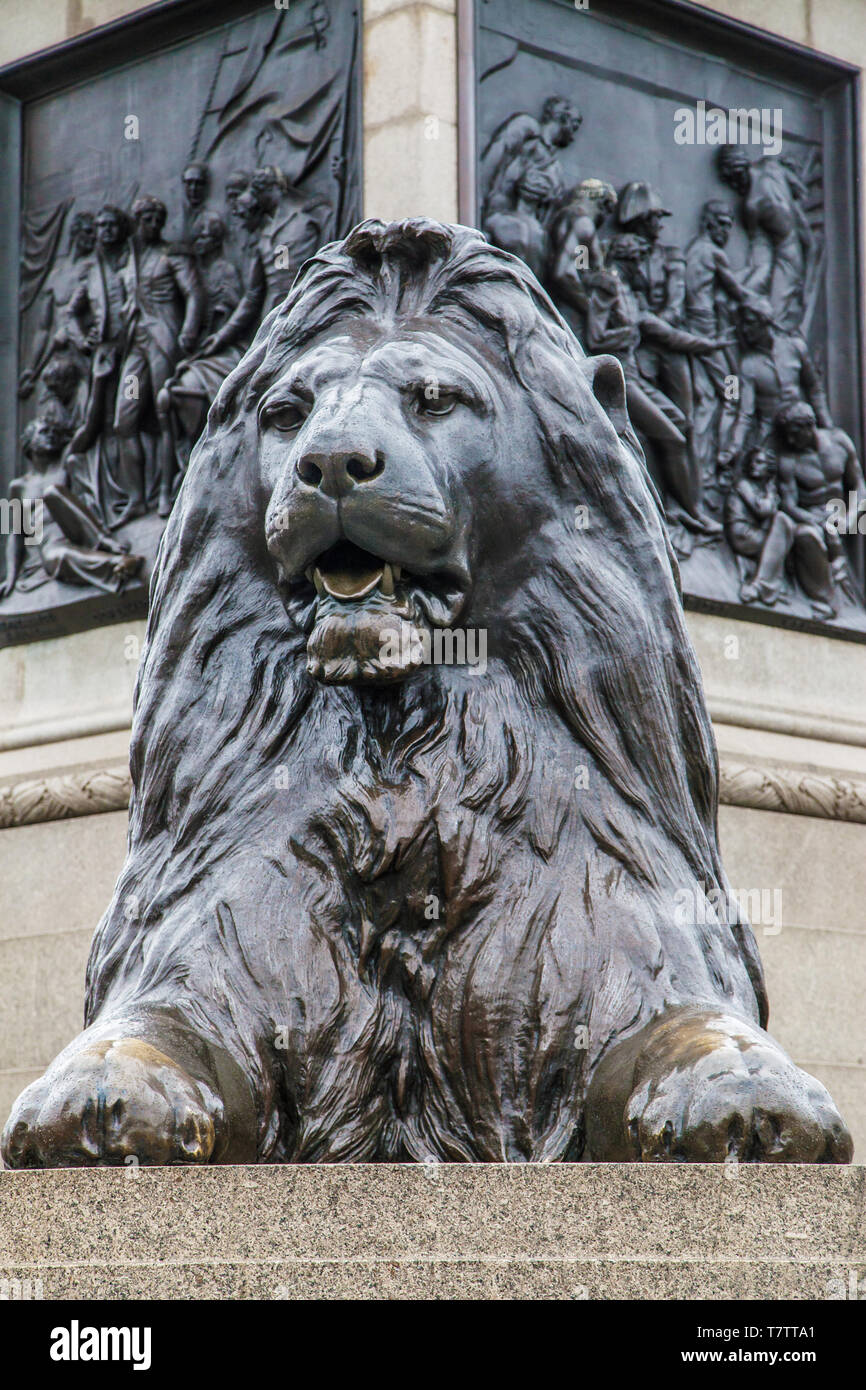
[112, 1103]
[747, 1103]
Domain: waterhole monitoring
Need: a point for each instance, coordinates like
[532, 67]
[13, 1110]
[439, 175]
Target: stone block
[410, 68]
[787, 18]
[374, 9]
[404, 171]
[816, 865]
[63, 872]
[43, 996]
[564, 1231]
[69, 687]
[794, 683]
[838, 27]
[815, 980]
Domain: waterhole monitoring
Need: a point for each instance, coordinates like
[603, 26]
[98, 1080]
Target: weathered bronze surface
[678, 184]
[167, 204]
[382, 905]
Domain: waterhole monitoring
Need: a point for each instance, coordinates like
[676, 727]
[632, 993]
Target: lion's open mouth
[349, 574]
[366, 616]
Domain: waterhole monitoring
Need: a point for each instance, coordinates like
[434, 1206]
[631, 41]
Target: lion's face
[401, 468]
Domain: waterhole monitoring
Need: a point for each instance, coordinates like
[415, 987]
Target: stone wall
[788, 707]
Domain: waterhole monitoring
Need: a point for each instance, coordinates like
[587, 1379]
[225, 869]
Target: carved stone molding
[759, 787]
[56, 798]
[775, 719]
[772, 788]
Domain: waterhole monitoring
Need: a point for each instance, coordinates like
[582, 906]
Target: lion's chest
[403, 872]
[421, 978]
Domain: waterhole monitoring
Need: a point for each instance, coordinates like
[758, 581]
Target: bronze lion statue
[381, 903]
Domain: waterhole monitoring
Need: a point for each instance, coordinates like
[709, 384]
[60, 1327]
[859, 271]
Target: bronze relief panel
[167, 201]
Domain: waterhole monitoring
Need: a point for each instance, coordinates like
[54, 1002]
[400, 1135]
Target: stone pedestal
[564, 1231]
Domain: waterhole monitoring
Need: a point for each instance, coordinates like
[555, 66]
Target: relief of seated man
[757, 530]
[817, 465]
[71, 544]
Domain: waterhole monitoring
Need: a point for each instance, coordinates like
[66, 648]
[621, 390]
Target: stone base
[564, 1231]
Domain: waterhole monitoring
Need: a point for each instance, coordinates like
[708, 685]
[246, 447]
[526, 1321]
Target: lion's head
[408, 480]
[414, 443]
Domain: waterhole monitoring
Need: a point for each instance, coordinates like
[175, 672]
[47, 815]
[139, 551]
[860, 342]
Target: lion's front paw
[111, 1103]
[733, 1095]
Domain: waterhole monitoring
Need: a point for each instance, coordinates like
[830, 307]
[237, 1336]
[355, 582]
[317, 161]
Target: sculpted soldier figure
[521, 228]
[775, 367]
[238, 325]
[575, 250]
[196, 182]
[74, 545]
[710, 285]
[816, 466]
[522, 143]
[641, 213]
[709, 278]
[757, 529]
[236, 183]
[61, 402]
[255, 206]
[661, 290]
[61, 389]
[284, 228]
[782, 244]
[163, 311]
[617, 323]
[99, 307]
[99, 299]
[57, 325]
[183, 402]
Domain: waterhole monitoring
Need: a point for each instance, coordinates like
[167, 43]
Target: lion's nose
[336, 473]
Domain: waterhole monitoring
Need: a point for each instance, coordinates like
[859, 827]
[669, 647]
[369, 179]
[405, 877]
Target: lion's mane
[224, 700]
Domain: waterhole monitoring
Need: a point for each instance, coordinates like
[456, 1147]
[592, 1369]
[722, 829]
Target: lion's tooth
[308, 574]
[397, 571]
[386, 583]
[318, 581]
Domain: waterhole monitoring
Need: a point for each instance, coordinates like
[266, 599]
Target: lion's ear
[605, 376]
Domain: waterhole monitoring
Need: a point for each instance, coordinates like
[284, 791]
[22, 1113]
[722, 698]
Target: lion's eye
[440, 403]
[285, 418]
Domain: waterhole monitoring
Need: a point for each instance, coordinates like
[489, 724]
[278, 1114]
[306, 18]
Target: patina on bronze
[381, 909]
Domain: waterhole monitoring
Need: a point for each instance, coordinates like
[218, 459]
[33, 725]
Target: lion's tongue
[350, 584]
[355, 582]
